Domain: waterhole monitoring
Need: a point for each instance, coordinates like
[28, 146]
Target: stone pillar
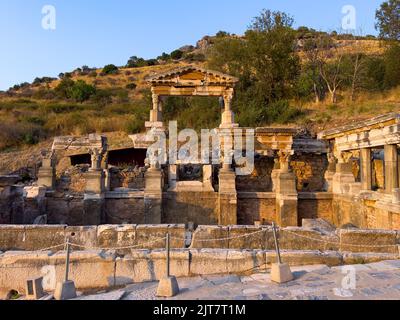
[47, 173]
[330, 172]
[227, 198]
[93, 203]
[343, 176]
[95, 177]
[391, 169]
[275, 174]
[155, 112]
[366, 169]
[207, 178]
[286, 193]
[153, 195]
[228, 117]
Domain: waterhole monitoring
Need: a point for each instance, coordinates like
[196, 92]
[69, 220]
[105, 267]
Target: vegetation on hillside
[287, 76]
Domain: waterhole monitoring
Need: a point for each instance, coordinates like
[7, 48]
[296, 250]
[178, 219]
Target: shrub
[131, 86]
[64, 87]
[81, 91]
[102, 97]
[176, 55]
[110, 69]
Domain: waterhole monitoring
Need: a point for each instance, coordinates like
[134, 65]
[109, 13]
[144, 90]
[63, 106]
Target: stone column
[228, 117]
[47, 173]
[275, 174]
[366, 169]
[153, 195]
[155, 112]
[95, 177]
[94, 198]
[227, 198]
[391, 168]
[330, 172]
[343, 176]
[286, 192]
[207, 178]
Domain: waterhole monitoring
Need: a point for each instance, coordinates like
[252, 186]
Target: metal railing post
[167, 244]
[278, 252]
[67, 261]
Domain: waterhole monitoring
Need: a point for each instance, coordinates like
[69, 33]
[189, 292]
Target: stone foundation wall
[254, 206]
[124, 211]
[100, 270]
[367, 214]
[196, 207]
[316, 205]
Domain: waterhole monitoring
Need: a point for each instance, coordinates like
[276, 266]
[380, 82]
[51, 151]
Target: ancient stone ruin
[348, 175]
[332, 195]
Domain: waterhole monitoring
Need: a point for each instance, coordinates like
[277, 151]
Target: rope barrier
[228, 238]
[213, 240]
[343, 244]
[117, 248]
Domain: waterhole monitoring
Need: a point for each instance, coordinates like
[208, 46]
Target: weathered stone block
[82, 236]
[46, 236]
[208, 237]
[113, 236]
[293, 238]
[12, 237]
[244, 261]
[88, 269]
[303, 258]
[250, 237]
[368, 241]
[146, 265]
[208, 261]
[364, 258]
[151, 236]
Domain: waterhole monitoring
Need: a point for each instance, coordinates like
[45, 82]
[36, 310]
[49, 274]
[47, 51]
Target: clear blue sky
[98, 32]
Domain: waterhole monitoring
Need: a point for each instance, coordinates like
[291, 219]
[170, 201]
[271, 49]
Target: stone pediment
[192, 76]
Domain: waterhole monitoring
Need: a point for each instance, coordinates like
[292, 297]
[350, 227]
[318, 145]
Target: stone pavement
[372, 282]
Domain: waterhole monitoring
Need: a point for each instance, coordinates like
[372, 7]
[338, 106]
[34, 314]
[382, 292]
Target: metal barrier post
[278, 252]
[167, 244]
[67, 260]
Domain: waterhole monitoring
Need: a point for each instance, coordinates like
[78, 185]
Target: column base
[153, 196]
[46, 178]
[95, 181]
[286, 210]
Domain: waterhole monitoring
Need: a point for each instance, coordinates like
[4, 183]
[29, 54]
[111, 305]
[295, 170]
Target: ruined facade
[349, 175]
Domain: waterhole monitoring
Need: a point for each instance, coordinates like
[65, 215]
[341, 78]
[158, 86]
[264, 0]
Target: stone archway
[191, 81]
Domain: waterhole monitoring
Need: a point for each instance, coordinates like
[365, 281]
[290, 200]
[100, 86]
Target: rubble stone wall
[309, 170]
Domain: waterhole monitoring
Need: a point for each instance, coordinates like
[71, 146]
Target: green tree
[63, 90]
[81, 91]
[265, 61]
[136, 62]
[392, 66]
[176, 55]
[388, 20]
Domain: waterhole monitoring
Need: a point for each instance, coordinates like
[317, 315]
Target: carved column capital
[284, 158]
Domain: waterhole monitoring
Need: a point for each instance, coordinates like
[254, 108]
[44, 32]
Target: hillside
[32, 114]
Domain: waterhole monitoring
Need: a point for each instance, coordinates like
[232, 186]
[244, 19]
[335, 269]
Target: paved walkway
[361, 282]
